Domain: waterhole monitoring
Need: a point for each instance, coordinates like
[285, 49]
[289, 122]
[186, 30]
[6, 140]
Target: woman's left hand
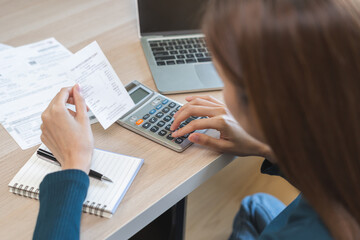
[66, 133]
[233, 138]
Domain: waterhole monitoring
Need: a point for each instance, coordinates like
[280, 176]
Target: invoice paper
[103, 91]
[29, 76]
[4, 47]
[29, 79]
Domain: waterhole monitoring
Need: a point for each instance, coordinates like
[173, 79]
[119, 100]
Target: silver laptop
[174, 46]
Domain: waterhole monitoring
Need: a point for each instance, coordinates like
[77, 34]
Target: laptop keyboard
[180, 51]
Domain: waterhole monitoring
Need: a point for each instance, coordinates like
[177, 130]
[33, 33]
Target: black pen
[48, 156]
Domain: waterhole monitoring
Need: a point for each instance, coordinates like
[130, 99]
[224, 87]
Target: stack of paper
[31, 75]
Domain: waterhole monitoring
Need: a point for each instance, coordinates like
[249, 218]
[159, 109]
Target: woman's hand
[233, 138]
[66, 133]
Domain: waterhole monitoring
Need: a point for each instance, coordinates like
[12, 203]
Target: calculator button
[156, 101]
[178, 108]
[146, 125]
[186, 135]
[162, 133]
[168, 127]
[169, 137]
[146, 116]
[158, 106]
[167, 118]
[171, 105]
[182, 125]
[139, 122]
[153, 120]
[161, 123]
[189, 120]
[165, 101]
[172, 113]
[166, 110]
[154, 128]
[179, 140]
[159, 115]
[133, 119]
[152, 111]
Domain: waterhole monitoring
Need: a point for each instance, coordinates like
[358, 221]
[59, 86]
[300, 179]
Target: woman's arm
[61, 197]
[68, 135]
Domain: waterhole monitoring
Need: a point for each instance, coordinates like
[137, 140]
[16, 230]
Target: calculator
[152, 117]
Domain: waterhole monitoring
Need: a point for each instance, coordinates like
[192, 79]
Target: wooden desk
[166, 176]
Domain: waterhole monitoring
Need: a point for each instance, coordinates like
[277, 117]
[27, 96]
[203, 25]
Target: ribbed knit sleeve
[61, 197]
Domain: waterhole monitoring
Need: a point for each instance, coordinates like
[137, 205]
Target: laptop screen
[175, 16]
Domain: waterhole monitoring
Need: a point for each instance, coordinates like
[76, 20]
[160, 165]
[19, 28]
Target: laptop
[174, 46]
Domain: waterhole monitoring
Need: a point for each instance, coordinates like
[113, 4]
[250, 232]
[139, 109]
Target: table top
[166, 176]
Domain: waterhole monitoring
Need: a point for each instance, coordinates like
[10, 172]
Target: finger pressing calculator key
[152, 117]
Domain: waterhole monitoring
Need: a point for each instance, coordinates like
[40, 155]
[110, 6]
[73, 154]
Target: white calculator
[152, 117]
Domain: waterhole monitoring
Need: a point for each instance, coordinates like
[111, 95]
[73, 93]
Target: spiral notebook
[102, 198]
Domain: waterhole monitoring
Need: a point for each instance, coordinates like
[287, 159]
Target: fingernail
[79, 91]
[195, 138]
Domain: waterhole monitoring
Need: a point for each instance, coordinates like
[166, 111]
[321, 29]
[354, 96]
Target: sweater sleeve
[61, 198]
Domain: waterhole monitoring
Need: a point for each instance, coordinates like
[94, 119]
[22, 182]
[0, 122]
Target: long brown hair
[299, 63]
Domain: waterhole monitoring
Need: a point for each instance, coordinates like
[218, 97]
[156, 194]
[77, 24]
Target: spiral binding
[102, 211]
[91, 207]
[97, 210]
[25, 191]
[86, 205]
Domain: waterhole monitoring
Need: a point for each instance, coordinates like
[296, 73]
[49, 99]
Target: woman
[290, 70]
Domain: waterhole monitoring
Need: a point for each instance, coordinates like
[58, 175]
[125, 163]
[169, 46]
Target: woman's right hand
[233, 138]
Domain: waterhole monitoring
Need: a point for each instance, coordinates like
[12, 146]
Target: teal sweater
[296, 222]
[63, 193]
[61, 197]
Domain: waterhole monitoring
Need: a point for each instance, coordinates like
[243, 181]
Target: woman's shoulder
[298, 221]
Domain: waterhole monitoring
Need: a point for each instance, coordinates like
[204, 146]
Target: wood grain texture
[113, 25]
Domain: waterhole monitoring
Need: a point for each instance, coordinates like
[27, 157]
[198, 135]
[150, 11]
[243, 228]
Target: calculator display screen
[138, 95]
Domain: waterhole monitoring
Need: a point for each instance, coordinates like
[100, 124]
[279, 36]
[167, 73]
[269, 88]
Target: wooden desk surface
[166, 176]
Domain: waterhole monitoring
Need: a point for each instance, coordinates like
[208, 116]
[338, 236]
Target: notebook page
[33, 172]
[120, 169]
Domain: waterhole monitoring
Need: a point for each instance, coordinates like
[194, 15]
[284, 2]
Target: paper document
[4, 47]
[29, 80]
[90, 114]
[103, 91]
[25, 129]
[31, 75]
